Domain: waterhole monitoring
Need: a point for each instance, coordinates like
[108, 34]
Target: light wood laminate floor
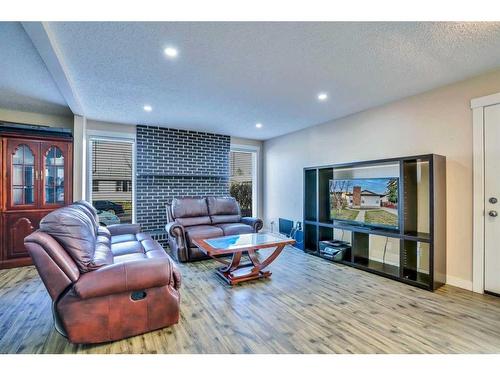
[308, 306]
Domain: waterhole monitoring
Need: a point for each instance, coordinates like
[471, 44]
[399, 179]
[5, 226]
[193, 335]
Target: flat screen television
[366, 201]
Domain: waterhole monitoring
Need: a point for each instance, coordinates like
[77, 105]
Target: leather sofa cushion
[190, 221]
[223, 206]
[103, 231]
[128, 257]
[190, 211]
[123, 238]
[74, 230]
[102, 255]
[223, 210]
[90, 211]
[126, 247]
[220, 219]
[230, 229]
[202, 232]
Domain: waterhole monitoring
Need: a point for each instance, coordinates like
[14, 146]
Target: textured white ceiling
[25, 82]
[228, 76]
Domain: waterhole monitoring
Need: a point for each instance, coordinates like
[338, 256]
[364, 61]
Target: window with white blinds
[112, 190]
[241, 181]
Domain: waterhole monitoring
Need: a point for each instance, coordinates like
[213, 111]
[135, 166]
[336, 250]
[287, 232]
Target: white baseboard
[459, 283]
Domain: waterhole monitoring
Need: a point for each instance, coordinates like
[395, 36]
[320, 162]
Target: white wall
[439, 121]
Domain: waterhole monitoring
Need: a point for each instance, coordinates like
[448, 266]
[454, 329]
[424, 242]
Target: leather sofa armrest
[255, 223]
[117, 229]
[174, 229]
[177, 241]
[127, 277]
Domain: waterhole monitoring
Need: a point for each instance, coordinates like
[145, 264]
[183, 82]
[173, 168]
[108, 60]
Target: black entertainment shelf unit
[403, 239]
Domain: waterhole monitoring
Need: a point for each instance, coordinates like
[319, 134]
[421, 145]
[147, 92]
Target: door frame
[477, 106]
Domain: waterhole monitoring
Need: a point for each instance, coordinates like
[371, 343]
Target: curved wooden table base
[234, 272]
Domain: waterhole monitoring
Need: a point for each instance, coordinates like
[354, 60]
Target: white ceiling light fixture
[322, 96]
[258, 125]
[147, 108]
[171, 52]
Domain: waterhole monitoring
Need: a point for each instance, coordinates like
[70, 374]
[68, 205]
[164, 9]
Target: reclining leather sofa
[191, 218]
[106, 283]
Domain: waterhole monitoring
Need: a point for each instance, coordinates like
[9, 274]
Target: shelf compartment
[311, 237]
[380, 253]
[310, 195]
[415, 261]
[324, 208]
[416, 197]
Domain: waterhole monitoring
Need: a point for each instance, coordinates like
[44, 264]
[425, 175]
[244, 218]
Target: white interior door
[492, 199]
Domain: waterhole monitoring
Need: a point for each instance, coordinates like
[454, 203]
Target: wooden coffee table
[234, 272]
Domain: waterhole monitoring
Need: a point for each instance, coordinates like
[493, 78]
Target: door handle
[493, 213]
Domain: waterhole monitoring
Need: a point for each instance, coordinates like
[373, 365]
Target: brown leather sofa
[190, 218]
[105, 283]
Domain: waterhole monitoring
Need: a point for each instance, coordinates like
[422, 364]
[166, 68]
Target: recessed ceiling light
[322, 96]
[171, 52]
[258, 125]
[147, 108]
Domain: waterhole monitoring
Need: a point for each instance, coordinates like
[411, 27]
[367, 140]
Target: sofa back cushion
[223, 210]
[88, 210]
[75, 232]
[190, 211]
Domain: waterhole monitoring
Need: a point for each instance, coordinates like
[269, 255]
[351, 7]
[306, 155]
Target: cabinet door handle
[36, 175]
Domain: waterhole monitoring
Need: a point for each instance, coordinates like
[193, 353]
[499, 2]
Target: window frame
[255, 151]
[96, 135]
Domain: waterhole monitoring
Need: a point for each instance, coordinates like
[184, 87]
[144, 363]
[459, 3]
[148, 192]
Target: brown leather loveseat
[105, 283]
[190, 218]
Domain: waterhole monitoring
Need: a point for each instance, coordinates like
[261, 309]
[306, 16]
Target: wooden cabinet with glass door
[36, 174]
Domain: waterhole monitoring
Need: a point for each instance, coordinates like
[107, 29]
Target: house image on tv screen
[365, 198]
[372, 201]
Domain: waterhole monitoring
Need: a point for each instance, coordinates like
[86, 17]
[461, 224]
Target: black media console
[411, 248]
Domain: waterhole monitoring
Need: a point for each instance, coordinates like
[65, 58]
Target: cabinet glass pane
[60, 177]
[23, 176]
[29, 158]
[58, 156]
[28, 176]
[29, 195]
[60, 194]
[17, 175]
[49, 195]
[54, 176]
[49, 176]
[18, 195]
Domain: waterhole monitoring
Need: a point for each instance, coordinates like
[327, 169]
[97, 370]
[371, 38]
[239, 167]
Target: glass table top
[241, 241]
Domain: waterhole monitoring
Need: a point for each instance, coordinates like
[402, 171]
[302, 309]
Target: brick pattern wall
[177, 163]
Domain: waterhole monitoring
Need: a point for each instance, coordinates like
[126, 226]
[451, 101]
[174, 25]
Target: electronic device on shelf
[334, 249]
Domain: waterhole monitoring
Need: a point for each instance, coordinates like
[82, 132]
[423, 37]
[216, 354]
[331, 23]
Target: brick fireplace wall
[177, 163]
